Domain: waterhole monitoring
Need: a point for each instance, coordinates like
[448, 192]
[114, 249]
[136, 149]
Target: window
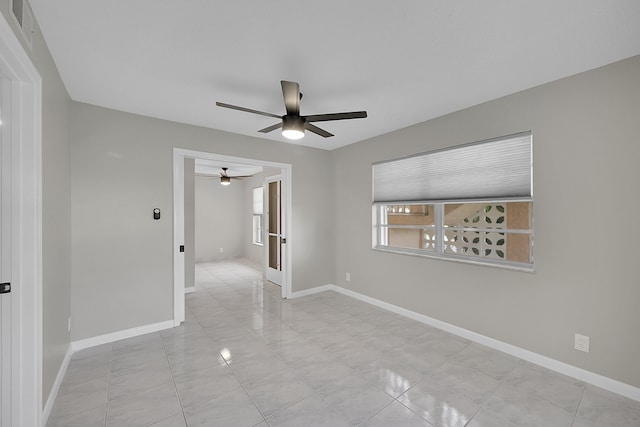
[257, 215]
[469, 203]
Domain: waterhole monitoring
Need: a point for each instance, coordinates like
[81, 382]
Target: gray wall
[219, 215]
[56, 207]
[189, 223]
[121, 169]
[586, 151]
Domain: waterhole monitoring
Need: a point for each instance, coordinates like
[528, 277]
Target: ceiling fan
[225, 178]
[293, 124]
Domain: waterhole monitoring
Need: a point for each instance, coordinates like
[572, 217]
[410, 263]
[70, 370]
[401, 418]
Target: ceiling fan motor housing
[293, 122]
[293, 126]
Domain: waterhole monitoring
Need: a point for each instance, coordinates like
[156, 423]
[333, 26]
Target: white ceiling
[403, 61]
[214, 167]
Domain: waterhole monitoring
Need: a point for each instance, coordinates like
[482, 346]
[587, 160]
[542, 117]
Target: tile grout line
[173, 378]
[575, 414]
[264, 419]
[106, 409]
[288, 368]
[394, 400]
[484, 404]
[313, 391]
[424, 376]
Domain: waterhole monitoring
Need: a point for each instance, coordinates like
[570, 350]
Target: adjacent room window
[470, 203]
[257, 215]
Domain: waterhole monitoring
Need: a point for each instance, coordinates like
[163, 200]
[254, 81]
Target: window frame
[257, 219]
[379, 239]
[257, 229]
[493, 171]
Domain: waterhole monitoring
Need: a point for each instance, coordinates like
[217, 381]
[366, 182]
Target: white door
[5, 260]
[275, 227]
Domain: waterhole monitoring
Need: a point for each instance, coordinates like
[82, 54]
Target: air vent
[24, 17]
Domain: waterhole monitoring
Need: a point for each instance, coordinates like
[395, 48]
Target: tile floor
[245, 357]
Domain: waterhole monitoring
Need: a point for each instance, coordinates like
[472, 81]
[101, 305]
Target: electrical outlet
[582, 343]
[347, 277]
[221, 250]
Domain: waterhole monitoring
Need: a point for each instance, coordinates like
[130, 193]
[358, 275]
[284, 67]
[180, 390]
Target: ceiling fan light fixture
[292, 134]
[225, 180]
[292, 127]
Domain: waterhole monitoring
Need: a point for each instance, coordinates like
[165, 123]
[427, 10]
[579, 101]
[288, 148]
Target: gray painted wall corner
[585, 148]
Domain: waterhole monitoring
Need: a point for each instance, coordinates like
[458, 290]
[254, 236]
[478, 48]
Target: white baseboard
[46, 411]
[189, 289]
[592, 378]
[92, 342]
[120, 335]
[312, 291]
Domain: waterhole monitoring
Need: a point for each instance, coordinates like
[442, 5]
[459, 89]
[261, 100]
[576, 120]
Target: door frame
[179, 154]
[283, 261]
[26, 227]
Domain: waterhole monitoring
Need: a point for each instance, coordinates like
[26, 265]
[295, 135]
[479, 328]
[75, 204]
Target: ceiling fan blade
[271, 128]
[336, 116]
[315, 129]
[248, 110]
[291, 94]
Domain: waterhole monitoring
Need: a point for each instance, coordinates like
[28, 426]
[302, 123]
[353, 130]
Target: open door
[275, 236]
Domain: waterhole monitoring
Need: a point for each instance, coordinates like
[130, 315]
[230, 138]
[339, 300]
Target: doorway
[20, 132]
[179, 156]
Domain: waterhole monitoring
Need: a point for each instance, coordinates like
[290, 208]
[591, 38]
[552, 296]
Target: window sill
[526, 268]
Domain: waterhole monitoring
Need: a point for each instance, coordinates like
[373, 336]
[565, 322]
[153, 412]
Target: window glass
[410, 226]
[490, 232]
[500, 231]
[257, 229]
[257, 215]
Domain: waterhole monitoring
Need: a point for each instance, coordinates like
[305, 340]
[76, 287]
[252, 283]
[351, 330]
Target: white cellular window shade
[257, 201]
[499, 168]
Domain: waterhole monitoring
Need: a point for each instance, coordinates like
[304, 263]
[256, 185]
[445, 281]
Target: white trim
[53, 394]
[312, 291]
[120, 335]
[179, 154]
[190, 289]
[178, 239]
[592, 378]
[92, 342]
[26, 122]
[525, 268]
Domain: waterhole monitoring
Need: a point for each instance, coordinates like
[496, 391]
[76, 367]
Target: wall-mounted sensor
[156, 213]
